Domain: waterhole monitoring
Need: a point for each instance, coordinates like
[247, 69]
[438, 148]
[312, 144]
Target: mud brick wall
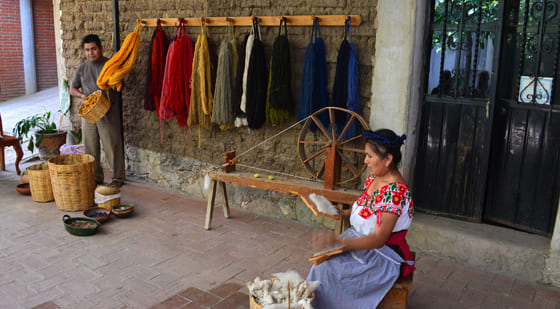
[179, 162]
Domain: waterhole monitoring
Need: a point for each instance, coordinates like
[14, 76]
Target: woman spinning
[375, 245]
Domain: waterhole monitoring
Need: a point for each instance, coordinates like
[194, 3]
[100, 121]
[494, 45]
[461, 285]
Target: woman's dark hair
[91, 38]
[384, 142]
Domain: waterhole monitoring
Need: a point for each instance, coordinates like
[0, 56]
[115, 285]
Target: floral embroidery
[390, 198]
[365, 213]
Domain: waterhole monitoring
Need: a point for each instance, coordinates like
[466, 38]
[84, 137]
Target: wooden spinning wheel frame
[332, 147]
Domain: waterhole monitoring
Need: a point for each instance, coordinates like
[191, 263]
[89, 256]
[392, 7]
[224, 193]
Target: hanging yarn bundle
[279, 104]
[353, 103]
[222, 109]
[201, 96]
[240, 119]
[118, 67]
[314, 80]
[156, 69]
[256, 82]
[149, 104]
[340, 86]
[175, 91]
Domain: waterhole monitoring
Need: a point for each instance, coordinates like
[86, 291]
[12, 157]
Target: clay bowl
[23, 188]
[123, 210]
[99, 214]
[80, 226]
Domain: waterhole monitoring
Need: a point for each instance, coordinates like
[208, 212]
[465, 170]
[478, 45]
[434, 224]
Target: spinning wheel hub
[332, 146]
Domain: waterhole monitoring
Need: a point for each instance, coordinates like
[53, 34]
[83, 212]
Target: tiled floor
[161, 257]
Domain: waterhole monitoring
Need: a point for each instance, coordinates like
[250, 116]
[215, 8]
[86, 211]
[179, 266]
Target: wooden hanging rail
[302, 20]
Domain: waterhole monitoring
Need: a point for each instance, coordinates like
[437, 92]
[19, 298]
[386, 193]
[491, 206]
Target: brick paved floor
[161, 257]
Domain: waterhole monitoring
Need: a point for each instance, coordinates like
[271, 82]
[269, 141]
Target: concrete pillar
[28, 44]
[395, 60]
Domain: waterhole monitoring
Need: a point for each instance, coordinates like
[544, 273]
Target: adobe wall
[179, 162]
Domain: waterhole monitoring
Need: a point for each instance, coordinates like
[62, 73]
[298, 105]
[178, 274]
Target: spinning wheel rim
[334, 142]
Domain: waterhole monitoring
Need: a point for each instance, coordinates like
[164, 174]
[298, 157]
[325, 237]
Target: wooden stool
[397, 295]
[9, 141]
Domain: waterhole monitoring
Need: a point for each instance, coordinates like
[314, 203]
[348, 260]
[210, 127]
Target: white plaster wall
[552, 268]
[393, 68]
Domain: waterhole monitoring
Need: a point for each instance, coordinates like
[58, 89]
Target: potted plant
[45, 135]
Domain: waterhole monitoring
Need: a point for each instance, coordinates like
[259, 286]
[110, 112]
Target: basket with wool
[95, 107]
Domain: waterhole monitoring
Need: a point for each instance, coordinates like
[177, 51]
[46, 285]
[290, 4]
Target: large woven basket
[95, 107]
[73, 183]
[40, 182]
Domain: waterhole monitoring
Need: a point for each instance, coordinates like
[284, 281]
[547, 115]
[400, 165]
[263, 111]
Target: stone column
[28, 45]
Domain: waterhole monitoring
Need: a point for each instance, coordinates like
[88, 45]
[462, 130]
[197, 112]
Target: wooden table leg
[226, 204]
[2, 163]
[210, 206]
[19, 153]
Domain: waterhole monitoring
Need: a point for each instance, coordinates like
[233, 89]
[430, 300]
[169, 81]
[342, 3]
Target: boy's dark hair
[91, 38]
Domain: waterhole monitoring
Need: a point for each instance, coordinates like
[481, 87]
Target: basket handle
[65, 217]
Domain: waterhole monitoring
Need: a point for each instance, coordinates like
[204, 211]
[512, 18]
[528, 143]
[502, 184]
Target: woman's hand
[344, 213]
[322, 239]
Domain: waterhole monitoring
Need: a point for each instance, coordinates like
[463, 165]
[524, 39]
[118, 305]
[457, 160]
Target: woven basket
[109, 191]
[95, 107]
[40, 182]
[73, 183]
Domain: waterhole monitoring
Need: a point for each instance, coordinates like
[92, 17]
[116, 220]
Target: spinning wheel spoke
[320, 125]
[314, 143]
[352, 150]
[313, 156]
[321, 171]
[346, 127]
[333, 123]
[349, 164]
[351, 139]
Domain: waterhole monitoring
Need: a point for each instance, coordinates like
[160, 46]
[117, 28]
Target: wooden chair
[9, 141]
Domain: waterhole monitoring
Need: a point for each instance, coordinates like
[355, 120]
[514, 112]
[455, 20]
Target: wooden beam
[287, 185]
[301, 20]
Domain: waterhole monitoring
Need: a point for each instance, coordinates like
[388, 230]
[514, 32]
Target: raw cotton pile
[323, 204]
[271, 294]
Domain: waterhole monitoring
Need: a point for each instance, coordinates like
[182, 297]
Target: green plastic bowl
[80, 226]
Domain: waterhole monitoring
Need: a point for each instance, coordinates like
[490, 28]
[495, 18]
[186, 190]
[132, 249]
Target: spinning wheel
[333, 146]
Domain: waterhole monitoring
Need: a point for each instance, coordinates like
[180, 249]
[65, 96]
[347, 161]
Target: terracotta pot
[50, 144]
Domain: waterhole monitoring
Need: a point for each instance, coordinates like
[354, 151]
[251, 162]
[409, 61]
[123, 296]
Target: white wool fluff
[274, 295]
[323, 204]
